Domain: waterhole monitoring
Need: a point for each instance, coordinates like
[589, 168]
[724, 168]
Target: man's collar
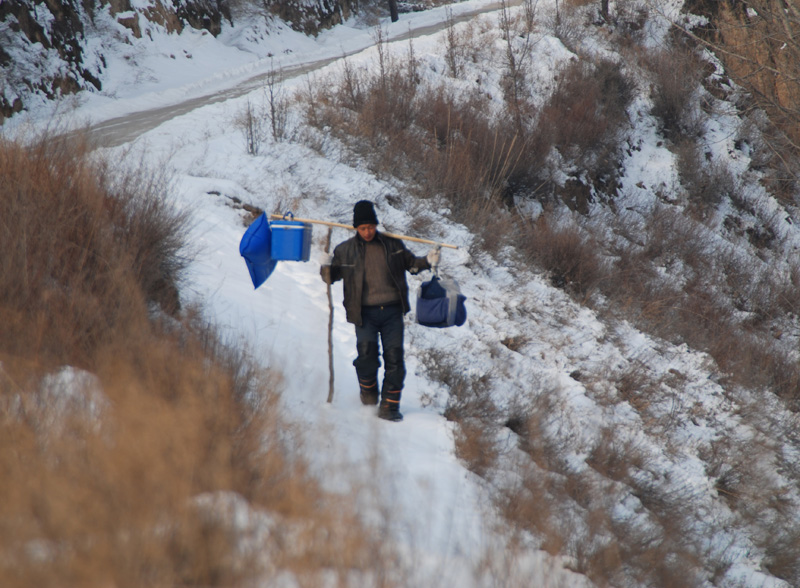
[377, 237]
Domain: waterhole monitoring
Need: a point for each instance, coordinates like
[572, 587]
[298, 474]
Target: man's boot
[390, 407]
[369, 391]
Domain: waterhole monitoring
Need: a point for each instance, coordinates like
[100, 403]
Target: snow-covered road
[229, 83]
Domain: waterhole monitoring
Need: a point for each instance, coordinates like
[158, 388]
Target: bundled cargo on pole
[266, 242]
[256, 248]
[440, 303]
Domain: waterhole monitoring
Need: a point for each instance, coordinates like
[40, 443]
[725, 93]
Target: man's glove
[325, 268]
[433, 257]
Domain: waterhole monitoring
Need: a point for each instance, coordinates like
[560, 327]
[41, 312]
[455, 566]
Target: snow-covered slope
[440, 515]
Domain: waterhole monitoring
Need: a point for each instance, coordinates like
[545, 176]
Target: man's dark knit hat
[364, 214]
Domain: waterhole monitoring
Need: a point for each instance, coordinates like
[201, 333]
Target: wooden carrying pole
[344, 226]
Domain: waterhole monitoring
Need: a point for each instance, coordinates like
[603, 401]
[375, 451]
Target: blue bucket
[256, 248]
[291, 239]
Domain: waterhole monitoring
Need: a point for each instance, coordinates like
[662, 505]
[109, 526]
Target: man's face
[367, 232]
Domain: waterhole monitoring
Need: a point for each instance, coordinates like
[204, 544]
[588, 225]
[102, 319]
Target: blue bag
[255, 247]
[440, 303]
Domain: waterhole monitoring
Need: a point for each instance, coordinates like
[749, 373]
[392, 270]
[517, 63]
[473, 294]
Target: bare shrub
[573, 125]
[758, 46]
[149, 228]
[277, 104]
[85, 243]
[475, 444]
[388, 104]
[569, 255]
[446, 145]
[630, 20]
[783, 555]
[251, 127]
[582, 119]
[635, 387]
[531, 417]
[518, 46]
[454, 48]
[588, 105]
[670, 243]
[532, 504]
[569, 23]
[614, 458]
[677, 74]
[351, 90]
[707, 183]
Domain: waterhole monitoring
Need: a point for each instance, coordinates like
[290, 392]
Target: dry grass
[705, 182]
[445, 145]
[741, 470]
[469, 404]
[84, 245]
[571, 509]
[126, 468]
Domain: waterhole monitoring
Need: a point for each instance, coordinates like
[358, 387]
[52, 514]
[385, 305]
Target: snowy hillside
[615, 432]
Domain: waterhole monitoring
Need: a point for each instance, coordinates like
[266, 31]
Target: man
[373, 268]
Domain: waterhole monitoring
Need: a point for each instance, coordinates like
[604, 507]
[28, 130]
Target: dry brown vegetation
[129, 433]
[447, 146]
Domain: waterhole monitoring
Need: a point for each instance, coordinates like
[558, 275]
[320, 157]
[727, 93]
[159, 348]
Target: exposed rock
[312, 16]
[130, 22]
[43, 42]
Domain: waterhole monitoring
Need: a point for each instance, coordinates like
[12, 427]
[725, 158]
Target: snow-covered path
[437, 512]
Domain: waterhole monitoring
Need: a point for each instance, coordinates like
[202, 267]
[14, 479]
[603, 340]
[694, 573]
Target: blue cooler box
[291, 240]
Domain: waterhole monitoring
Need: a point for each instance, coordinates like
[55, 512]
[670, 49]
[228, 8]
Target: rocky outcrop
[311, 16]
[43, 43]
[41, 51]
[44, 48]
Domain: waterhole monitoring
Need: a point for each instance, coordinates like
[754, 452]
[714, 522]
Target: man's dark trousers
[386, 322]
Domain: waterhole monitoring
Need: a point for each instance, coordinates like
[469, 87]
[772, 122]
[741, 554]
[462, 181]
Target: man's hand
[325, 268]
[433, 257]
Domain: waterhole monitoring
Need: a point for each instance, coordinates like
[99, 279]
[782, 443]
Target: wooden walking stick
[330, 325]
